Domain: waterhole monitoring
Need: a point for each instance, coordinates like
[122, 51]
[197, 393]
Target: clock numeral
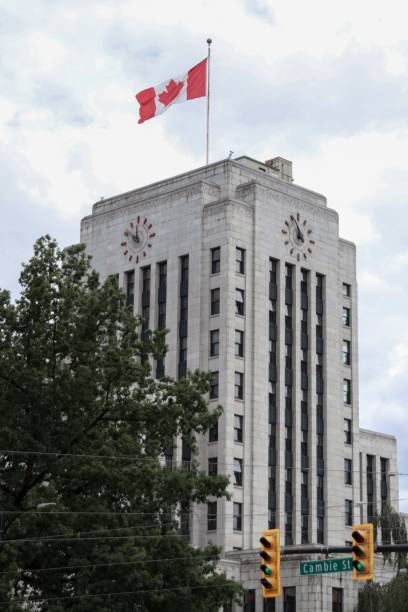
[123, 243]
[287, 223]
[304, 255]
[138, 219]
[312, 242]
[137, 258]
[144, 253]
[130, 257]
[304, 223]
[286, 241]
[131, 224]
[126, 233]
[310, 250]
[284, 231]
[298, 257]
[126, 252]
[309, 231]
[291, 251]
[149, 245]
[150, 226]
[152, 235]
[298, 216]
[144, 222]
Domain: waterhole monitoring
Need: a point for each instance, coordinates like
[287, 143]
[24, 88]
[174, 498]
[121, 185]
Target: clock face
[298, 237]
[137, 239]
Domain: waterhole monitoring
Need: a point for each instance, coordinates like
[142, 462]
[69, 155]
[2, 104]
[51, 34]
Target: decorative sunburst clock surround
[137, 239]
[298, 237]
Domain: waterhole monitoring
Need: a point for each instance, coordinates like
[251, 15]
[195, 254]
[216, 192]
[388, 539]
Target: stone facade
[246, 209]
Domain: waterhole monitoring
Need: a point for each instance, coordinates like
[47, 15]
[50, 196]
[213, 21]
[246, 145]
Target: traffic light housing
[362, 551]
[270, 564]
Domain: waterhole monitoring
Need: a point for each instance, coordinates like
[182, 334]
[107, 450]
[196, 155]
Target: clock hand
[299, 232]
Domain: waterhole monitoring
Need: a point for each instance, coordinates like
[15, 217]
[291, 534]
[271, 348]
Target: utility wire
[177, 463]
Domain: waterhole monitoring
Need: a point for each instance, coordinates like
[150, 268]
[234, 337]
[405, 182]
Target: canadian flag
[155, 100]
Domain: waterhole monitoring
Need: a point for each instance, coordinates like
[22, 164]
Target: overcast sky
[321, 83]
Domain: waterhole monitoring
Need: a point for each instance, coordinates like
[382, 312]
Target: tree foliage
[392, 596]
[393, 531]
[83, 425]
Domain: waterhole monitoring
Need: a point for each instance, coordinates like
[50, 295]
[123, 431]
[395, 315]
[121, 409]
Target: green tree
[393, 531]
[84, 426]
[390, 597]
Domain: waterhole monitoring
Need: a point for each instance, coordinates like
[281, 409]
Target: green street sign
[326, 566]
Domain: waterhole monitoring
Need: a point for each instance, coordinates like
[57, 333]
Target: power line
[157, 513]
[174, 462]
[117, 563]
[115, 593]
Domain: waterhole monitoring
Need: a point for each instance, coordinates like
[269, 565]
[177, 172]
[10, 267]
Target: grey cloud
[23, 220]
[261, 9]
[60, 102]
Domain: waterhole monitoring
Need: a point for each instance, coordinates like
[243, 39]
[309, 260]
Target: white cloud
[320, 83]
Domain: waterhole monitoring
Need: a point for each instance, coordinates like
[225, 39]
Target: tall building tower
[248, 272]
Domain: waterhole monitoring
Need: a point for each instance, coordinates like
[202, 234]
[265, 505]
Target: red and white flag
[155, 100]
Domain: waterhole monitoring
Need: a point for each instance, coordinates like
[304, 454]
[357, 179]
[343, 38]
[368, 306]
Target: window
[161, 319]
[238, 426]
[249, 601]
[238, 472]
[146, 278]
[130, 287]
[346, 290]
[215, 260]
[237, 516]
[239, 386]
[212, 466]
[320, 530]
[288, 529]
[348, 476]
[347, 431]
[215, 302]
[214, 343]
[213, 433]
[269, 605]
[320, 487]
[239, 302]
[183, 308]
[346, 351]
[337, 600]
[304, 528]
[240, 261]
[214, 385]
[346, 316]
[212, 516]
[239, 343]
[348, 512]
[346, 391]
[289, 599]
[183, 349]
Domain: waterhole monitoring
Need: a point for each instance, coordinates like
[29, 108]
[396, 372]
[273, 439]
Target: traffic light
[362, 551]
[270, 566]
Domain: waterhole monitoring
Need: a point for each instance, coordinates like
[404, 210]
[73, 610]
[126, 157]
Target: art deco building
[248, 272]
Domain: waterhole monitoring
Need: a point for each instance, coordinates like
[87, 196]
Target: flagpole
[209, 41]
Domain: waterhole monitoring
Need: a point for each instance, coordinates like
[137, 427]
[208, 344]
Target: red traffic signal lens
[265, 542]
[358, 536]
[359, 552]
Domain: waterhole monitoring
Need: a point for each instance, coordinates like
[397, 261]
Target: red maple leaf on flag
[170, 92]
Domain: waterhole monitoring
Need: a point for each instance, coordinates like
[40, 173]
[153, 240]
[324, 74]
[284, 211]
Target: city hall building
[247, 271]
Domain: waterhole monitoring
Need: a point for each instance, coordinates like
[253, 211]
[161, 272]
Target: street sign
[326, 566]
